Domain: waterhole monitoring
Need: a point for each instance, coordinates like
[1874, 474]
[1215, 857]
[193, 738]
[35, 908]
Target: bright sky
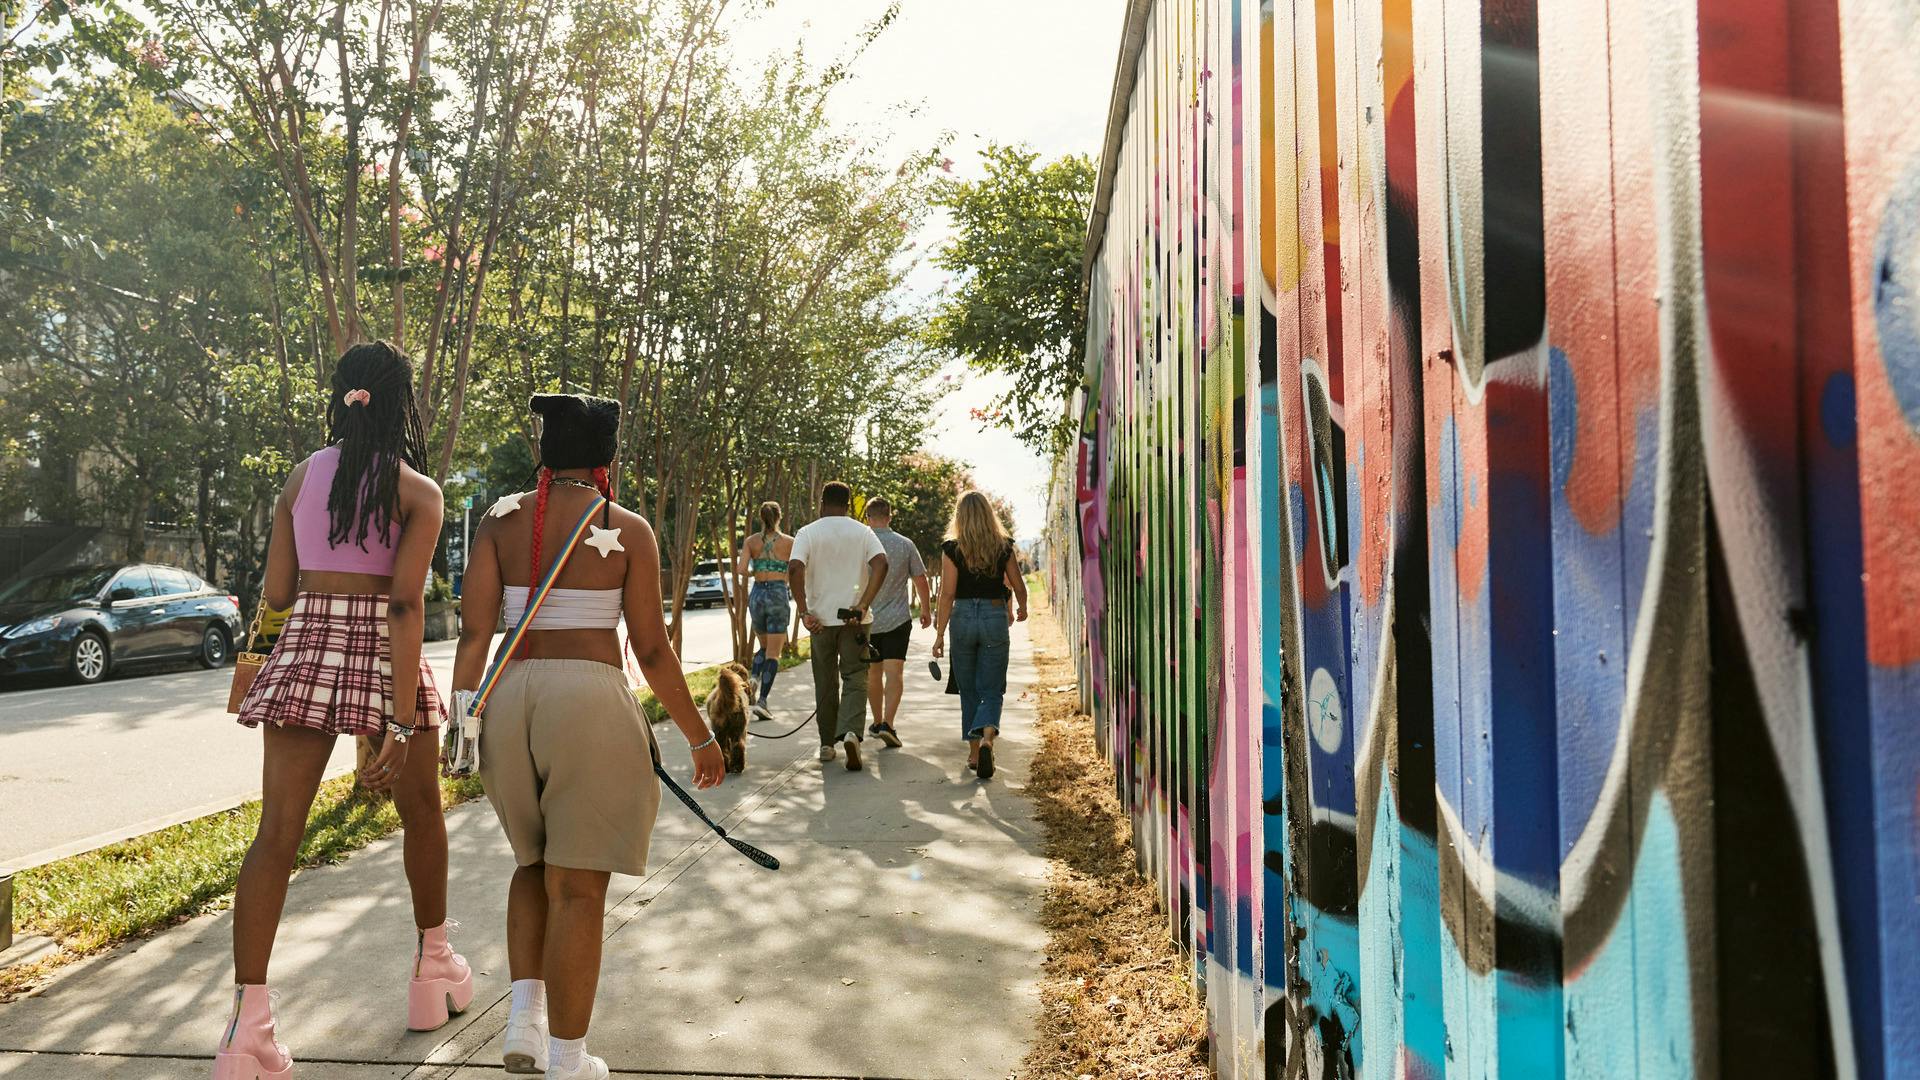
[1007, 71]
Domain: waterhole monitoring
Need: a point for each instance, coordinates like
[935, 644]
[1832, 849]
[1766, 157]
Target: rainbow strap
[534, 600]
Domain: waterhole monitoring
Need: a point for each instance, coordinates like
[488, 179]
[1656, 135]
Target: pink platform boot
[248, 1050]
[442, 981]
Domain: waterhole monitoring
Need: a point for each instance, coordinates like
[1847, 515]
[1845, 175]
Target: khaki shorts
[567, 760]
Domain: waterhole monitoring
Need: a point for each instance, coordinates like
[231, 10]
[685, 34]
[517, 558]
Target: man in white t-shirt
[836, 567]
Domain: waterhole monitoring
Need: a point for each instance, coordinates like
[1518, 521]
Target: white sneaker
[760, 710]
[591, 1068]
[826, 752]
[525, 1050]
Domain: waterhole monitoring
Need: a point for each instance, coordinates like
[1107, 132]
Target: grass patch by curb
[700, 683]
[1115, 996]
[98, 899]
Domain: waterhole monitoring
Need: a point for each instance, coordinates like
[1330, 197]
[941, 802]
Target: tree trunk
[137, 519]
[425, 392]
[209, 533]
[348, 259]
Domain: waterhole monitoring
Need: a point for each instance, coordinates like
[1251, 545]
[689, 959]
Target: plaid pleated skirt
[332, 670]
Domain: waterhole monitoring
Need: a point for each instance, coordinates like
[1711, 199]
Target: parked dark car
[88, 620]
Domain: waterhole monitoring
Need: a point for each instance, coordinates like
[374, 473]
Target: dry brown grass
[1115, 997]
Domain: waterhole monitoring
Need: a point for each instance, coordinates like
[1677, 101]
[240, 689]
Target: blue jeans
[979, 663]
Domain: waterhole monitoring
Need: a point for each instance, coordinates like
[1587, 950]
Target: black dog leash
[790, 730]
[741, 846]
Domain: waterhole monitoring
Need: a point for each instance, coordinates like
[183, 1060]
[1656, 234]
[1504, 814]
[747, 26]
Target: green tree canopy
[578, 196]
[1016, 306]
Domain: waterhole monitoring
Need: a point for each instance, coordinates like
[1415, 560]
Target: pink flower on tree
[946, 164]
[411, 213]
[153, 54]
[435, 253]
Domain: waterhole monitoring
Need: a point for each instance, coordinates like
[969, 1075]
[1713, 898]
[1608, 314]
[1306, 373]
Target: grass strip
[700, 683]
[101, 898]
[1116, 999]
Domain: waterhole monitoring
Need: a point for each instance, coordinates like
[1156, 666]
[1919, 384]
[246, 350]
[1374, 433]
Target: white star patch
[507, 505]
[605, 541]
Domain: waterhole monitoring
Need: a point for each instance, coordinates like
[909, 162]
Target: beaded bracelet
[711, 739]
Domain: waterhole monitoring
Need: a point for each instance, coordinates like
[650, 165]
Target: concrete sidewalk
[900, 938]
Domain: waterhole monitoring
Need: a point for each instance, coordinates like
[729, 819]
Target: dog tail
[728, 689]
[749, 682]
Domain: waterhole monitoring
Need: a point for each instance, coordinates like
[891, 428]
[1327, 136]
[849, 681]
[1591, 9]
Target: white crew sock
[565, 1053]
[529, 1001]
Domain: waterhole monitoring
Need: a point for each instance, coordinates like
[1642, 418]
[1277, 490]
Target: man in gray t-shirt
[893, 620]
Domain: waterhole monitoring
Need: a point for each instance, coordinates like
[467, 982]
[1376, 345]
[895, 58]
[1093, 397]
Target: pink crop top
[311, 527]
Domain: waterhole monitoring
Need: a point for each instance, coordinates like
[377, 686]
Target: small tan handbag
[247, 663]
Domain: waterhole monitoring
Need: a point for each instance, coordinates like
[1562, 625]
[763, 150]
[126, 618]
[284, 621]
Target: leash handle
[741, 846]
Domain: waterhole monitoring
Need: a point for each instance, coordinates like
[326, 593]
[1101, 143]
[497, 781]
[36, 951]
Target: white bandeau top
[566, 609]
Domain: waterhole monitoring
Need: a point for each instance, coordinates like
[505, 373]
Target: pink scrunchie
[356, 397]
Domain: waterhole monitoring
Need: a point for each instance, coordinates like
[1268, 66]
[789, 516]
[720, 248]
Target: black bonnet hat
[578, 432]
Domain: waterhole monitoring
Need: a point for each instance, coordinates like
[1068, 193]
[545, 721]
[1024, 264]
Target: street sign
[467, 503]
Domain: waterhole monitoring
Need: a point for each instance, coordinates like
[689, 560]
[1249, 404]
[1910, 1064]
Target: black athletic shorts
[893, 643]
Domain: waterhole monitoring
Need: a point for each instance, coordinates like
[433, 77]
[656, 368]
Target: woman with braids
[353, 534]
[565, 752]
[770, 603]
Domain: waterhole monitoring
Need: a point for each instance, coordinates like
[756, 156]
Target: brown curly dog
[727, 715]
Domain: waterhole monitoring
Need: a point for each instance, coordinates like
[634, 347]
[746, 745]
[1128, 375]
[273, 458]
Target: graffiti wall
[1496, 529]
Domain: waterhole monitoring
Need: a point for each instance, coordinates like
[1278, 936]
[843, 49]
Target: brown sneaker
[853, 754]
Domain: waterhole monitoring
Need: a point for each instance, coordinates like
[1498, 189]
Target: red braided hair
[602, 481]
[539, 527]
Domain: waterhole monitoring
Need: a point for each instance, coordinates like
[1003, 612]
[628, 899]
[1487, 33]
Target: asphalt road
[81, 766]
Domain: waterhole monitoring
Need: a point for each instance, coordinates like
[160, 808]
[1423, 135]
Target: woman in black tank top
[971, 584]
[978, 577]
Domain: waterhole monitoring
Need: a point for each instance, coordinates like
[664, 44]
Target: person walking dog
[837, 567]
[566, 755]
[978, 576]
[353, 534]
[893, 620]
